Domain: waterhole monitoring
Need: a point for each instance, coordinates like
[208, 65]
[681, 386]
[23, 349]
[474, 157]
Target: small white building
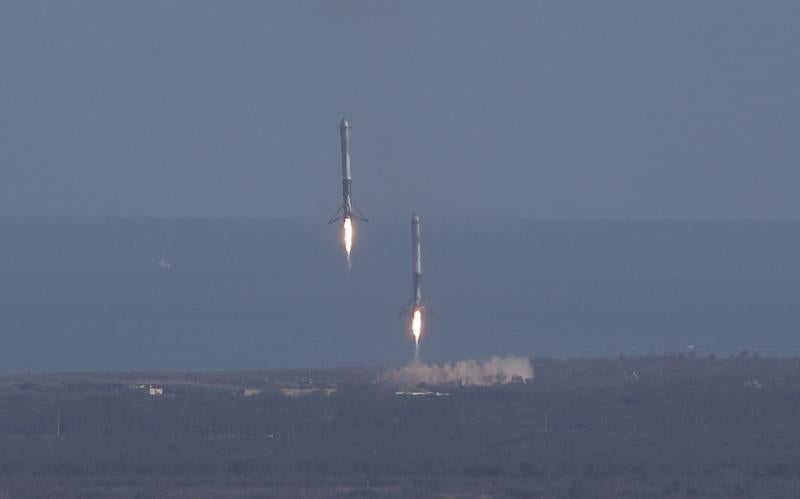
[156, 391]
[249, 392]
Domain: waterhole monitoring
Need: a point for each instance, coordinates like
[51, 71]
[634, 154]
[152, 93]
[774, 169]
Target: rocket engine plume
[416, 327]
[348, 238]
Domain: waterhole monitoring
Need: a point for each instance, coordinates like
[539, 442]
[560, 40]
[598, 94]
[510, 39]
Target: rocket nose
[415, 218]
[344, 123]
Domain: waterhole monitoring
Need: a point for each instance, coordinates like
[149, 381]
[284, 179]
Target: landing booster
[416, 260]
[346, 210]
[415, 303]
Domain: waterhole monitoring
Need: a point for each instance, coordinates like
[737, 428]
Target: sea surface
[85, 294]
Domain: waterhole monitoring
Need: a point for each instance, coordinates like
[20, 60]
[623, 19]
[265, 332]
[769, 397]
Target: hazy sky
[535, 109]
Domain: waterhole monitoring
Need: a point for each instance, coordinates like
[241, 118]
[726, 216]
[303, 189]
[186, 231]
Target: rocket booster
[346, 210]
[347, 173]
[416, 260]
[415, 303]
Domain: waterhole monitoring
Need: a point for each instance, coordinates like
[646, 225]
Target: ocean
[88, 294]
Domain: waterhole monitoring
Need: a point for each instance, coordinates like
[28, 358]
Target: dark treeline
[641, 427]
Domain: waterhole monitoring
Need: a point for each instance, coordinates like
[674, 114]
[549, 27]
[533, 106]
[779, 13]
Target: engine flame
[416, 326]
[348, 237]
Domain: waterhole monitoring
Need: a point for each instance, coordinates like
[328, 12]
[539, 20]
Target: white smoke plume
[494, 370]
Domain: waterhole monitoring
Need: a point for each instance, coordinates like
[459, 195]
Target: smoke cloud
[495, 370]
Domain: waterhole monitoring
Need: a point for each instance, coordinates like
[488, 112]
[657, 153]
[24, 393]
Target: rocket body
[346, 210]
[416, 261]
[347, 173]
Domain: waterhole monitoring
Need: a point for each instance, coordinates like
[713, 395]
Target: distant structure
[303, 392]
[155, 391]
[422, 394]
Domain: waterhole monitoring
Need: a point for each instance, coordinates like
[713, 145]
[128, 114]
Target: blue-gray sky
[536, 109]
